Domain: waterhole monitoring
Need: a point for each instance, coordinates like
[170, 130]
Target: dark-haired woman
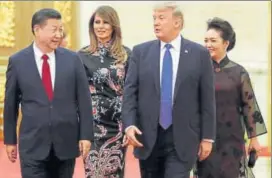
[237, 109]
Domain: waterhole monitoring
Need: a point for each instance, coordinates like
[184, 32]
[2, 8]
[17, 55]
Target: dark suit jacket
[63, 121]
[194, 98]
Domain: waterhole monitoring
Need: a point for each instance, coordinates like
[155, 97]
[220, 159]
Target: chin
[54, 47]
[158, 35]
[212, 54]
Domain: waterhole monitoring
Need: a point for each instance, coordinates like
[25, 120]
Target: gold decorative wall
[67, 10]
[7, 24]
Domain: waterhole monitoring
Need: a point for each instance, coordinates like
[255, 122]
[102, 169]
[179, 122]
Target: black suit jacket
[63, 121]
[194, 98]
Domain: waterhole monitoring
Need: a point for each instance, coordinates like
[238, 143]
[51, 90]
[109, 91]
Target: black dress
[106, 80]
[236, 111]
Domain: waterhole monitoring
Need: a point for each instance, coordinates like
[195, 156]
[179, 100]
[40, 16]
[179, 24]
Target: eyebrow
[210, 38]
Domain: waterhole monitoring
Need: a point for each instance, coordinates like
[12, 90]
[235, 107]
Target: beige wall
[249, 19]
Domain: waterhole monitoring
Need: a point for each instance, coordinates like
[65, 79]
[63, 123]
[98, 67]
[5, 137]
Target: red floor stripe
[10, 170]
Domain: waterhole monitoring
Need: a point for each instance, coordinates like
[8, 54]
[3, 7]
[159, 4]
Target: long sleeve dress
[237, 111]
[106, 80]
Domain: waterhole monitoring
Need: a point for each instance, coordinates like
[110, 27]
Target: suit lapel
[58, 67]
[155, 56]
[33, 70]
[182, 66]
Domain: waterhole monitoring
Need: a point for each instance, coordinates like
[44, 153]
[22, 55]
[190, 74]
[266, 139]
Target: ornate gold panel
[7, 23]
[68, 12]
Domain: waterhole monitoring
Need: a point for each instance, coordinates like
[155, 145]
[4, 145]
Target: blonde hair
[177, 12]
[117, 50]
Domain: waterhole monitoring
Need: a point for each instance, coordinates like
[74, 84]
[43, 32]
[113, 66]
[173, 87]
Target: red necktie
[46, 77]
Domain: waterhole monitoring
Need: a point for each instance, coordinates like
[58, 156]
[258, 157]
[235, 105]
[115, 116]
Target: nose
[156, 22]
[208, 44]
[59, 34]
[100, 25]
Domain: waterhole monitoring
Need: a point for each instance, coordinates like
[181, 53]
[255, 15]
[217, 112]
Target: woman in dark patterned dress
[237, 109]
[105, 61]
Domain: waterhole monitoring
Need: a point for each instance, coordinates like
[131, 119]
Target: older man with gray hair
[169, 101]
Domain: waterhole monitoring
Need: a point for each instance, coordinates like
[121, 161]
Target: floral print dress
[106, 81]
[236, 111]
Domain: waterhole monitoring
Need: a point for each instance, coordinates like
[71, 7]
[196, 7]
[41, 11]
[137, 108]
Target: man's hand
[84, 148]
[12, 152]
[130, 138]
[205, 149]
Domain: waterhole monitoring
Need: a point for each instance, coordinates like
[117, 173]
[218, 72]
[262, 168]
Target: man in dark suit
[51, 86]
[169, 104]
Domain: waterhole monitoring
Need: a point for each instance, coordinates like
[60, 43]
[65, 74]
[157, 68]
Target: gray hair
[173, 6]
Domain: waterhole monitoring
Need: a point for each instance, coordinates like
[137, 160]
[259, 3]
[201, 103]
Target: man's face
[164, 24]
[49, 34]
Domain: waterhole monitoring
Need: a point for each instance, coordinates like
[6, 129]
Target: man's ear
[177, 23]
[36, 29]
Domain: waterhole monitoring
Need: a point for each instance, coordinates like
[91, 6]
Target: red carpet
[12, 170]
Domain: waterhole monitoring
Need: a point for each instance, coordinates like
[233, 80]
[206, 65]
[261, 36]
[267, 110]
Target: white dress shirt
[51, 61]
[175, 53]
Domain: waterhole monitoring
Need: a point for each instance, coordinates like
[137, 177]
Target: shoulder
[66, 51]
[145, 45]
[69, 53]
[240, 68]
[19, 55]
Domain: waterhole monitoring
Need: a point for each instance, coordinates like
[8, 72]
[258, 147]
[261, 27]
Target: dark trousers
[51, 167]
[163, 161]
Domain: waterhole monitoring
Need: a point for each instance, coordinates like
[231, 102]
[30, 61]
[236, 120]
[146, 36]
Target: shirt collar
[175, 43]
[39, 53]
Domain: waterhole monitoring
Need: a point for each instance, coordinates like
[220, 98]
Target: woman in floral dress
[105, 61]
[236, 109]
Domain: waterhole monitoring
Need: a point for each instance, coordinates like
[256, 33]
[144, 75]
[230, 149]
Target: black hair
[227, 32]
[41, 16]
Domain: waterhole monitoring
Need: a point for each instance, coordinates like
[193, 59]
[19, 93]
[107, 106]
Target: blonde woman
[105, 61]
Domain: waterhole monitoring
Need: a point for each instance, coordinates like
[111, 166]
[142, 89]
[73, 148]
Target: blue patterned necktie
[166, 89]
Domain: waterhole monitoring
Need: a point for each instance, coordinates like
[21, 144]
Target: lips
[211, 50]
[55, 42]
[157, 30]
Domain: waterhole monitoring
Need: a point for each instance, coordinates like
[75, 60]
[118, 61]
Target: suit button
[51, 107]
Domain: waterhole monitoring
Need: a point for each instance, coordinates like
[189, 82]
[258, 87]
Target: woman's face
[102, 29]
[216, 45]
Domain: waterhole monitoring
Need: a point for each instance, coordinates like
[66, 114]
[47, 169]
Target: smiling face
[49, 34]
[216, 45]
[102, 29]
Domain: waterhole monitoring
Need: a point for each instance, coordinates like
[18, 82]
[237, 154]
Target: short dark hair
[41, 16]
[227, 32]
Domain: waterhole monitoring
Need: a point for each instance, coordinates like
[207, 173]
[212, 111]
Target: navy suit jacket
[193, 102]
[61, 122]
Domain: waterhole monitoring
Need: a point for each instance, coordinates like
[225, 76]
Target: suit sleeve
[11, 105]
[84, 103]
[207, 100]
[130, 97]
